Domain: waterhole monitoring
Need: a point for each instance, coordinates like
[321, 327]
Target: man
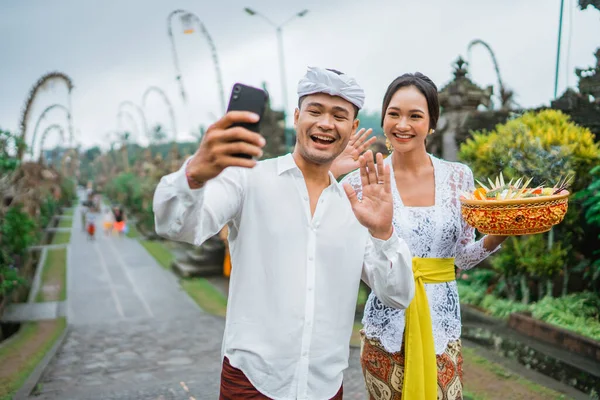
[299, 245]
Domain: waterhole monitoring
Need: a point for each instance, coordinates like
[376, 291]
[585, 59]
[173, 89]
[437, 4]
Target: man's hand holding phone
[220, 144]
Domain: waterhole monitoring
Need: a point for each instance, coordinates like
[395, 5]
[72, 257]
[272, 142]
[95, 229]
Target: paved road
[134, 333]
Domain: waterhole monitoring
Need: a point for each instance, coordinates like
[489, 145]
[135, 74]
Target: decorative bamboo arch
[506, 95]
[45, 134]
[37, 87]
[39, 121]
[163, 95]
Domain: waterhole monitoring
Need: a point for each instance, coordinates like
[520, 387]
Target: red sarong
[236, 386]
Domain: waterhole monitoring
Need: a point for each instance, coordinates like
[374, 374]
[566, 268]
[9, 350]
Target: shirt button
[305, 354]
[310, 258]
[305, 198]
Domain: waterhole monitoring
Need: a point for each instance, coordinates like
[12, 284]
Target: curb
[33, 379]
[37, 279]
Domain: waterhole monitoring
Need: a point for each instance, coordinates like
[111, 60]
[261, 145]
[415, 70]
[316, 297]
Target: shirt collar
[286, 163]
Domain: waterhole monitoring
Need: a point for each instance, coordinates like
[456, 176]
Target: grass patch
[61, 238]
[159, 252]
[203, 292]
[65, 223]
[470, 356]
[54, 275]
[22, 353]
[205, 295]
[472, 396]
[133, 232]
[69, 212]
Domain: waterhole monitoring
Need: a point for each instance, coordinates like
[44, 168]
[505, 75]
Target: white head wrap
[319, 80]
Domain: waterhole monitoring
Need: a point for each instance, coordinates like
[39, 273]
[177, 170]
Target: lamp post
[279, 32]
[187, 16]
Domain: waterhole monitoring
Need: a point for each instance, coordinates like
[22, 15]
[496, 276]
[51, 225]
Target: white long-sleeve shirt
[294, 278]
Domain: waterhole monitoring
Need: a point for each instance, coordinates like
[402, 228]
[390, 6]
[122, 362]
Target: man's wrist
[192, 183]
[382, 234]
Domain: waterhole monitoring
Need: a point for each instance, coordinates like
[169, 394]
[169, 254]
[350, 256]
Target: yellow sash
[420, 365]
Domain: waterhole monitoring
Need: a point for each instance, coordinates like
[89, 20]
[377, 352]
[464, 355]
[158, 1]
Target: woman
[119, 224]
[108, 222]
[404, 352]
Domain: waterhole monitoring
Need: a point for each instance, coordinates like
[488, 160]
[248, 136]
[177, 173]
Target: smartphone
[248, 98]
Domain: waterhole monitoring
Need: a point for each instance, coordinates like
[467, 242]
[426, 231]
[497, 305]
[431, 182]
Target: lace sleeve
[469, 252]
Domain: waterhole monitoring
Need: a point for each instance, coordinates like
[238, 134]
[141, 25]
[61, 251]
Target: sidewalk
[133, 332]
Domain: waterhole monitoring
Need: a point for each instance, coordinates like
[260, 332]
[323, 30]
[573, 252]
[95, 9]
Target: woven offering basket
[515, 216]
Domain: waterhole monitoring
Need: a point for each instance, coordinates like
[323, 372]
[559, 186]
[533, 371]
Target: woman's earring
[389, 146]
[431, 131]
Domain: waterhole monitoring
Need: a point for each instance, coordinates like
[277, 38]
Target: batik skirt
[384, 371]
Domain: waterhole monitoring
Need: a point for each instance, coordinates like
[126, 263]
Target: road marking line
[131, 281]
[110, 283]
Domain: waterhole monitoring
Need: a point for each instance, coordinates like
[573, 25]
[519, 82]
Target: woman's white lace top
[437, 231]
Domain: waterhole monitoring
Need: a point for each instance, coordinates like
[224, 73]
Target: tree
[371, 120]
[583, 4]
[9, 143]
[91, 154]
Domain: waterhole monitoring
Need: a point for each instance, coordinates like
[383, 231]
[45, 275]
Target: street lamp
[187, 17]
[278, 30]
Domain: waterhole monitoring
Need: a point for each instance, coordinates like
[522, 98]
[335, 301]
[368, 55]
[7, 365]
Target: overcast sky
[114, 50]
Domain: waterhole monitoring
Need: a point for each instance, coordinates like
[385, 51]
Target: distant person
[91, 225]
[119, 224]
[84, 211]
[109, 220]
